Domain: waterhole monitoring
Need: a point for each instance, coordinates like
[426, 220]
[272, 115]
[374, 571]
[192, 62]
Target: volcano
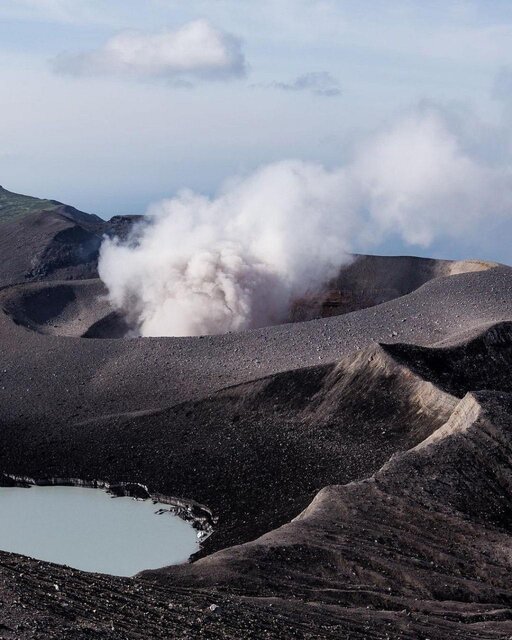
[352, 467]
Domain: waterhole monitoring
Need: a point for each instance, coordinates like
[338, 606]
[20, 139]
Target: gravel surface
[398, 457]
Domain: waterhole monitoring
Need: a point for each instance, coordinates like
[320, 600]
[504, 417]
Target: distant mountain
[16, 205]
[44, 239]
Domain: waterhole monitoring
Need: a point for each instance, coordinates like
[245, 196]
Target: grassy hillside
[14, 205]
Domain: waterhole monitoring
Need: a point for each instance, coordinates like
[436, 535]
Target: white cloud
[195, 50]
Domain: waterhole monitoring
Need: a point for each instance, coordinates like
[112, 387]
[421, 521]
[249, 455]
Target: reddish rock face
[372, 280]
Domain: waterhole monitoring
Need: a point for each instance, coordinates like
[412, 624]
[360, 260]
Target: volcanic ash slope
[408, 538]
[358, 466]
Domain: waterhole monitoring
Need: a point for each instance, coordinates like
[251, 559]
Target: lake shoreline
[199, 516]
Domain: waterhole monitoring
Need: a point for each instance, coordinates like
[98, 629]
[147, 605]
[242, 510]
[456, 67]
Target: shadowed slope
[46, 244]
[254, 425]
[69, 309]
[115, 376]
[372, 280]
[478, 365]
[257, 452]
[427, 536]
[430, 524]
[421, 548]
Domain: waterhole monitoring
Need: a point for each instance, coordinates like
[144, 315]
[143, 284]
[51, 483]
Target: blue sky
[111, 137]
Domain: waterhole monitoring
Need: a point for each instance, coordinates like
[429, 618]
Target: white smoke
[237, 261]
[416, 179]
[234, 262]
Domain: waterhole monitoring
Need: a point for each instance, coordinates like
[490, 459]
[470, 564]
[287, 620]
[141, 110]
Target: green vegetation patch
[15, 205]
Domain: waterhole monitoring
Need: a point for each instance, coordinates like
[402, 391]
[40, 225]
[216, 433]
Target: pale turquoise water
[89, 530]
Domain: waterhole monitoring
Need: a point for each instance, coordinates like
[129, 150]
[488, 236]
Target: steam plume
[237, 261]
[234, 262]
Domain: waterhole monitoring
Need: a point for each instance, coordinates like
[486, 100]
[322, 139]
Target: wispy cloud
[319, 83]
[197, 50]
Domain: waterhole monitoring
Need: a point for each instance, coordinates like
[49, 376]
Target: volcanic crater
[356, 461]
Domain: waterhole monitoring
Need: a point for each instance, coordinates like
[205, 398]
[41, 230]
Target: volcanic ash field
[349, 464]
